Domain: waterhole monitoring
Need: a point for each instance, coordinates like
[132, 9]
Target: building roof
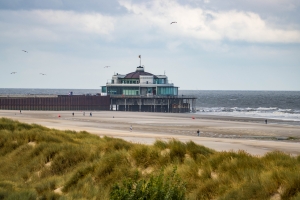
[139, 71]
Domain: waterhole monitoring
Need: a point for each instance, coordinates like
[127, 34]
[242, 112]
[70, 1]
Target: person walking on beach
[130, 128]
[266, 121]
[73, 114]
[198, 132]
[90, 114]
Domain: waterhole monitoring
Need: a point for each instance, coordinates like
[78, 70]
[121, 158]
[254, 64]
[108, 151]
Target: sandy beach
[219, 133]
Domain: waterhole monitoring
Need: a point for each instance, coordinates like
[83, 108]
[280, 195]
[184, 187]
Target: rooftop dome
[139, 71]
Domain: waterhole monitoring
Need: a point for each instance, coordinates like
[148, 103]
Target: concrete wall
[144, 79]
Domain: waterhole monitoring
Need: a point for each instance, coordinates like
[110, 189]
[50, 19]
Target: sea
[279, 105]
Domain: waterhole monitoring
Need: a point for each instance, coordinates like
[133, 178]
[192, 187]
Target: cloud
[54, 24]
[146, 23]
[91, 23]
[204, 24]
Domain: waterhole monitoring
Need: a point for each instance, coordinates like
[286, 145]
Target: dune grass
[41, 163]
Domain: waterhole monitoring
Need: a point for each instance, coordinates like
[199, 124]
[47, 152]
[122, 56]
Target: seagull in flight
[25, 51]
[106, 66]
[173, 22]
[42, 74]
[13, 73]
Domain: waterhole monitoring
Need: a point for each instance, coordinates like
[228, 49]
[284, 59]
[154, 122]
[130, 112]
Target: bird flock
[16, 72]
[45, 74]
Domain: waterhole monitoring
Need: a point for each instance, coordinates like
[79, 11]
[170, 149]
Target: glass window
[167, 90]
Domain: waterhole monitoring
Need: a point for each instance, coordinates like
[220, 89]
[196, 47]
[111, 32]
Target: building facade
[140, 83]
[145, 92]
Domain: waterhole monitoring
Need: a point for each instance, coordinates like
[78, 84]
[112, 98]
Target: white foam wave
[269, 113]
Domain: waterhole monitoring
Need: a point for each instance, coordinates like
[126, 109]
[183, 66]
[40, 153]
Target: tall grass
[157, 187]
[35, 161]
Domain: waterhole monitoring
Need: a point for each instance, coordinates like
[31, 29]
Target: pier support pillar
[140, 106]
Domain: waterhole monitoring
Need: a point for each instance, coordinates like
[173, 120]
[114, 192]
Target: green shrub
[157, 187]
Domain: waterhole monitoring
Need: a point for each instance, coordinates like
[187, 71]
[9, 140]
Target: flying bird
[13, 73]
[25, 51]
[106, 66]
[42, 74]
[173, 22]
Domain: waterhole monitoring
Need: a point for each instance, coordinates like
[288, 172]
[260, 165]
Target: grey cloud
[103, 6]
[279, 10]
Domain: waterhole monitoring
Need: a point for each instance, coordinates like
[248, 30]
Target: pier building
[146, 92]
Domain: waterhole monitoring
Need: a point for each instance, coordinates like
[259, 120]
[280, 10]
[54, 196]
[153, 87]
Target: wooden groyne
[54, 102]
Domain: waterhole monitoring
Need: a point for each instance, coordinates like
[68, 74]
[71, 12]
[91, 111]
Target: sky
[215, 44]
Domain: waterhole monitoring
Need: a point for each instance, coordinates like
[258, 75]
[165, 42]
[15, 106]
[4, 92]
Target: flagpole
[140, 60]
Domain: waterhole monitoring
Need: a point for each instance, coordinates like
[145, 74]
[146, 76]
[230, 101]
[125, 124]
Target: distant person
[73, 114]
[266, 121]
[130, 128]
[198, 133]
[90, 114]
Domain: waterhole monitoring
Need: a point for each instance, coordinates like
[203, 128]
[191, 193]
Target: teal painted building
[139, 83]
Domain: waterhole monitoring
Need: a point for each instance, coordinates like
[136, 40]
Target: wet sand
[219, 133]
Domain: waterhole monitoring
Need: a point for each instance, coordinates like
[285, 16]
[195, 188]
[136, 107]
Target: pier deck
[173, 104]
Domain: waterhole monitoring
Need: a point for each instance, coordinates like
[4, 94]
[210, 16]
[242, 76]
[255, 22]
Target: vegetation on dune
[41, 163]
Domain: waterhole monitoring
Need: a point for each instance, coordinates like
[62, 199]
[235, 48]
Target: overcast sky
[215, 44]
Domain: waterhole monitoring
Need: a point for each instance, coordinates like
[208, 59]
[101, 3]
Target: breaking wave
[260, 112]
